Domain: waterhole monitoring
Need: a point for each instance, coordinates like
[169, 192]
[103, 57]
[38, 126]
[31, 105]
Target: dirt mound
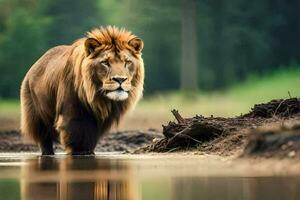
[279, 108]
[208, 134]
[223, 136]
[126, 142]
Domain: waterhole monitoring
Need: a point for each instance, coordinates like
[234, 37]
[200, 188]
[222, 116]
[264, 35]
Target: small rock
[292, 154]
[283, 147]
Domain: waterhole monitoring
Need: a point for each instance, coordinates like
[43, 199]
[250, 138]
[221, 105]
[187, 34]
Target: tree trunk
[189, 46]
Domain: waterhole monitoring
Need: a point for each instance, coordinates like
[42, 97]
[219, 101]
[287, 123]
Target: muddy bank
[269, 130]
[278, 142]
[123, 142]
[244, 135]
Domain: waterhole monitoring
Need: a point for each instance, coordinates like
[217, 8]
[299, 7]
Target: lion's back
[52, 60]
[47, 70]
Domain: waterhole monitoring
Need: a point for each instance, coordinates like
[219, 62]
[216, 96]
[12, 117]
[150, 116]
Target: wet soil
[269, 130]
[122, 142]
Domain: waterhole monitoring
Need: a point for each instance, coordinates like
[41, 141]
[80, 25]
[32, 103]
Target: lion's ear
[137, 44]
[90, 45]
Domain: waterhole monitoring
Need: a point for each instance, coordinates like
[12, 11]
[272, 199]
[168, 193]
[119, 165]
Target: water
[109, 176]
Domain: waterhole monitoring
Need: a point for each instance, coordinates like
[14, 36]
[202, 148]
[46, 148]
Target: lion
[74, 93]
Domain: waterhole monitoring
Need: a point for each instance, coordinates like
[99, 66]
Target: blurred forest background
[245, 48]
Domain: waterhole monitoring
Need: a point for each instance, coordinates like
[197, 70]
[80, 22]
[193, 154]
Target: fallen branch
[178, 116]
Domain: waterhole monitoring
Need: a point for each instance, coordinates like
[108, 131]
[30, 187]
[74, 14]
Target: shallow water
[110, 176]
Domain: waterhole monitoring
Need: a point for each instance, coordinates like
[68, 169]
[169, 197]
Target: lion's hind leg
[32, 125]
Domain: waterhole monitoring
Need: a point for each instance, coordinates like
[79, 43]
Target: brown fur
[64, 96]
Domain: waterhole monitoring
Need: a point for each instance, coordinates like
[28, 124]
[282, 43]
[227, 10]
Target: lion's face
[113, 69]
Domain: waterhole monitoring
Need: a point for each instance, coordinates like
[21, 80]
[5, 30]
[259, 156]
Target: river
[29, 176]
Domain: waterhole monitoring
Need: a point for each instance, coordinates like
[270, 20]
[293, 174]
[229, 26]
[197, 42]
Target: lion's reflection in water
[76, 178]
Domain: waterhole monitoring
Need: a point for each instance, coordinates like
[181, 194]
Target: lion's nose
[119, 80]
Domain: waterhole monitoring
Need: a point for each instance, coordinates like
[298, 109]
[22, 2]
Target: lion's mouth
[117, 95]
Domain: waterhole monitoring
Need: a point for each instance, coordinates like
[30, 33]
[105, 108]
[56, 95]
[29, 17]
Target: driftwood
[178, 117]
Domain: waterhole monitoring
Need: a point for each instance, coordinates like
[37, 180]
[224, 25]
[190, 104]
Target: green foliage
[235, 38]
[70, 19]
[21, 43]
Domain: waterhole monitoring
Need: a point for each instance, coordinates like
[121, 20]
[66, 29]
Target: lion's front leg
[78, 135]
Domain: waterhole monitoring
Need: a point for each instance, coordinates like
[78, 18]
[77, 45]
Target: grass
[9, 108]
[154, 110]
[280, 84]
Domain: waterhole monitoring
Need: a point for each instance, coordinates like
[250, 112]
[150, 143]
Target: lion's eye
[105, 63]
[127, 63]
